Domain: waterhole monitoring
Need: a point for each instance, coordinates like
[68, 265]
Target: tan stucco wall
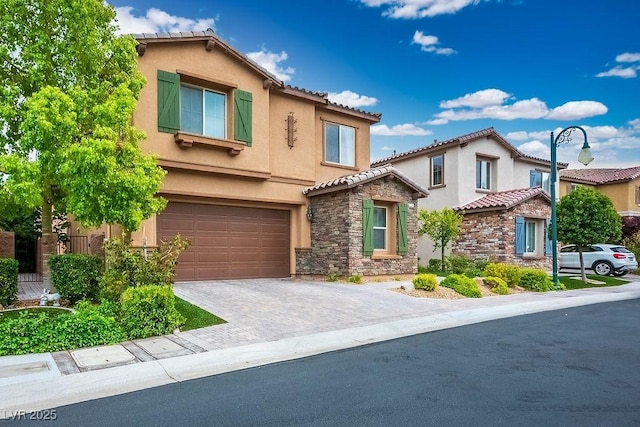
[622, 194]
[283, 171]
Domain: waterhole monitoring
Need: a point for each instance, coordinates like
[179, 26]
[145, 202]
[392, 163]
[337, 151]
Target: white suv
[601, 258]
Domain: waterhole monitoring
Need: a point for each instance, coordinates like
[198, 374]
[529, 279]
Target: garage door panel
[228, 242]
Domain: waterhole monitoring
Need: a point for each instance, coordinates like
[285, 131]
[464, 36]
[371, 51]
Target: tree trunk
[49, 239]
[444, 268]
[582, 271]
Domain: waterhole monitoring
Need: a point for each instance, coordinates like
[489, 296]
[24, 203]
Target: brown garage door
[228, 242]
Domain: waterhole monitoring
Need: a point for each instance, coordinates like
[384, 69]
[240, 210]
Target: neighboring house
[622, 186]
[247, 160]
[502, 192]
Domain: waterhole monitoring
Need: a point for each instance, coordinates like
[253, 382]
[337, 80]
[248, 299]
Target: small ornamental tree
[585, 217]
[69, 88]
[442, 227]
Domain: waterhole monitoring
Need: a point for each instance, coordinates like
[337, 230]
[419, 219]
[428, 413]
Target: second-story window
[203, 111]
[437, 170]
[339, 144]
[483, 174]
[540, 179]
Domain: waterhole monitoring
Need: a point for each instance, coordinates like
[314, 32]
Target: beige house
[622, 186]
[502, 192]
[241, 150]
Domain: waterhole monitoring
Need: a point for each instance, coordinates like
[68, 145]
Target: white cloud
[628, 57]
[387, 148]
[428, 43]
[352, 99]
[492, 104]
[526, 109]
[517, 136]
[479, 99]
[437, 122]
[399, 130]
[270, 61]
[535, 149]
[635, 123]
[625, 72]
[411, 9]
[574, 110]
[158, 21]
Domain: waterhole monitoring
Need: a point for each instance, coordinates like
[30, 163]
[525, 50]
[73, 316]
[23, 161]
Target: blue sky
[437, 69]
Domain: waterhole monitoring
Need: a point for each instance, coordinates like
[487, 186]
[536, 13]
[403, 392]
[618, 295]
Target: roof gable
[463, 141]
[503, 200]
[601, 176]
[360, 178]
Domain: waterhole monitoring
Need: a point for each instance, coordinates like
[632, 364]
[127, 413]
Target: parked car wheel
[602, 268]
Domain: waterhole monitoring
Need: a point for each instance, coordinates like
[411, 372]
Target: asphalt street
[577, 366]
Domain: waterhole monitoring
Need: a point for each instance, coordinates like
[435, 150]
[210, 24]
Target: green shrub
[76, 276]
[457, 264]
[39, 333]
[462, 285]
[481, 264]
[508, 272]
[127, 267]
[426, 281]
[472, 272]
[535, 279]
[332, 276]
[633, 244]
[435, 265]
[356, 278]
[149, 310]
[497, 285]
[8, 281]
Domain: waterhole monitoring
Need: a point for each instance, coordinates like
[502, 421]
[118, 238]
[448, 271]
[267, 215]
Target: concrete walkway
[269, 320]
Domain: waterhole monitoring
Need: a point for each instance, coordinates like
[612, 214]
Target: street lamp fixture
[585, 158]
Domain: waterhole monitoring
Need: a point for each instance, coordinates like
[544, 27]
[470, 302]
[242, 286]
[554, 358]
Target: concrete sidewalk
[269, 320]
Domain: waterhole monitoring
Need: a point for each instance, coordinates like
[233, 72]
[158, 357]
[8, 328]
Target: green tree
[586, 216]
[69, 89]
[441, 226]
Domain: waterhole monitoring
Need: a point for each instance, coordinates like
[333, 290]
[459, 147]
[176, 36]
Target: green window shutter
[367, 227]
[168, 102]
[243, 116]
[403, 234]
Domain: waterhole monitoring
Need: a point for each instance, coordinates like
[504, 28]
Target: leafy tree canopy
[70, 86]
[441, 226]
[586, 216]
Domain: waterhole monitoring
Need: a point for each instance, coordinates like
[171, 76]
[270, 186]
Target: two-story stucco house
[502, 193]
[264, 179]
[622, 186]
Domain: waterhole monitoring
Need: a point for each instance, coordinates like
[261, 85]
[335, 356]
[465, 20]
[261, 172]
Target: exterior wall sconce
[310, 214]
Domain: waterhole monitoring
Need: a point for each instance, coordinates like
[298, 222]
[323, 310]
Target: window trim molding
[431, 173]
[326, 162]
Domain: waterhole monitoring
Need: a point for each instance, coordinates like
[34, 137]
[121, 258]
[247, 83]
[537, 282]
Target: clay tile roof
[462, 140]
[349, 181]
[503, 199]
[600, 176]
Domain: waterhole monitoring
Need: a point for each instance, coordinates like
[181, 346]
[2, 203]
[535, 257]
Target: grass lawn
[196, 317]
[571, 283]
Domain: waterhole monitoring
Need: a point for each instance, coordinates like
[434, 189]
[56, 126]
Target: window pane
[332, 143]
[530, 236]
[191, 109]
[215, 117]
[437, 164]
[347, 145]
[379, 217]
[546, 181]
[483, 174]
[379, 239]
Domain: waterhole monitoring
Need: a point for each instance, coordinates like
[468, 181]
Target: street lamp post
[585, 158]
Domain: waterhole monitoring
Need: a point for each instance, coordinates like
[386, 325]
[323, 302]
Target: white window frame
[203, 131]
[377, 227]
[480, 171]
[433, 170]
[530, 227]
[346, 148]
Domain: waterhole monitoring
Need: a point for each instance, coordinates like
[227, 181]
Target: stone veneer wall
[336, 233]
[7, 244]
[492, 235]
